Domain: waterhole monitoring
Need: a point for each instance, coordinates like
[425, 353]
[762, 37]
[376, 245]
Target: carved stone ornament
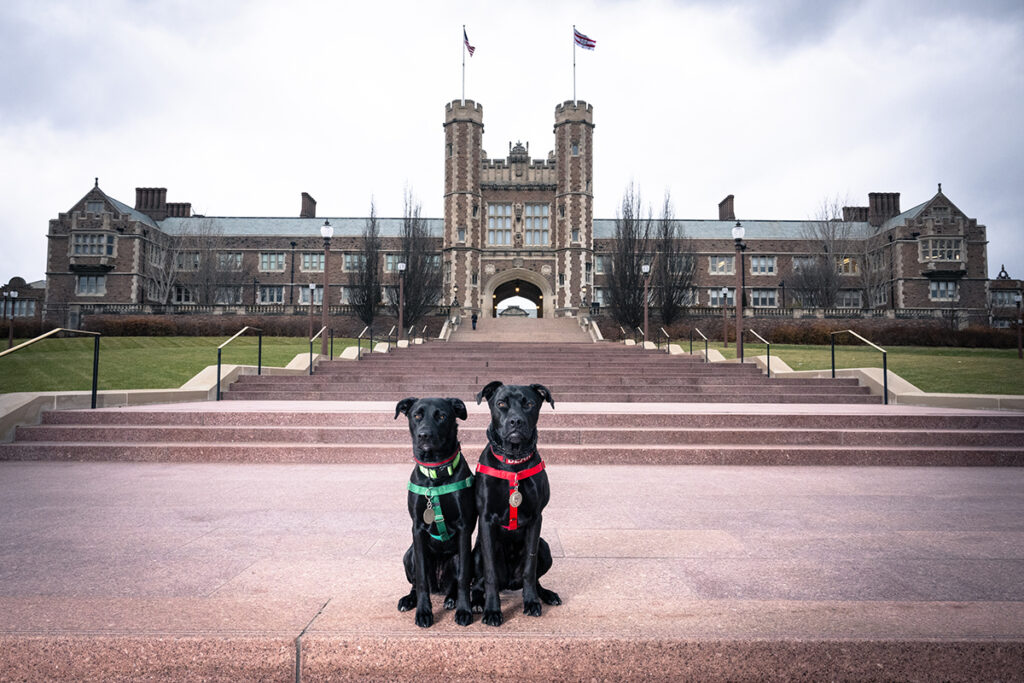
[545, 270]
[489, 269]
[518, 208]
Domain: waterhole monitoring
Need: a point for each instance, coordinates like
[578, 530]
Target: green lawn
[137, 362]
[932, 369]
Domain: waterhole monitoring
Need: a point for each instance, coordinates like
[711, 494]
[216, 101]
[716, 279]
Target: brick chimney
[882, 206]
[725, 210]
[855, 214]
[308, 206]
[152, 201]
[179, 209]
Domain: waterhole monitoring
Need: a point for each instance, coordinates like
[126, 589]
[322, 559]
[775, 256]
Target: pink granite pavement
[158, 571]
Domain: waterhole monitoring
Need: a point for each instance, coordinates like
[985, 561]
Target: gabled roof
[119, 206]
[907, 215]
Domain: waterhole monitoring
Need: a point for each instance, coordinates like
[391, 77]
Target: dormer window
[92, 244]
[95, 206]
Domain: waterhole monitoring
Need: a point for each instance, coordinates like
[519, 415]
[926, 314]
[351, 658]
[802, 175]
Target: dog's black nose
[515, 421]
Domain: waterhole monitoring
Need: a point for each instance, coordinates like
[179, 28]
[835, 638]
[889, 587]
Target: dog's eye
[502, 404]
[418, 416]
[529, 404]
[440, 417]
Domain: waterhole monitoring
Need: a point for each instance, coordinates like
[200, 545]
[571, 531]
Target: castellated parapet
[464, 110]
[576, 111]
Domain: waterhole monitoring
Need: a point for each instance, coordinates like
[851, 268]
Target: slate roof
[604, 228]
[239, 226]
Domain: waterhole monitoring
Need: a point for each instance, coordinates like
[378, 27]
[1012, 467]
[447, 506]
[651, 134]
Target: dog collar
[514, 497]
[433, 470]
[510, 461]
[433, 495]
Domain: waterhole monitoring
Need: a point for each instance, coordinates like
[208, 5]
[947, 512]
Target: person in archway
[473, 318]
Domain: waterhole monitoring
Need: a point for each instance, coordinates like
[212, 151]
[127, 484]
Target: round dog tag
[515, 499]
[428, 515]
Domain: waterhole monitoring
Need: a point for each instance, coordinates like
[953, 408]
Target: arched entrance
[522, 283]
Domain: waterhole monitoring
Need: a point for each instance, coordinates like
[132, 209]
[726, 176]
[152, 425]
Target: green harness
[433, 495]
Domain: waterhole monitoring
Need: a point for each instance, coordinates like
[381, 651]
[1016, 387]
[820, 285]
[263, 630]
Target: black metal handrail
[668, 340]
[769, 351]
[313, 339]
[697, 330]
[259, 352]
[885, 366]
[423, 333]
[391, 333]
[95, 352]
[636, 339]
[359, 343]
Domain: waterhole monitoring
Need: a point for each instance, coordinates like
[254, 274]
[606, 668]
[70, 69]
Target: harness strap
[433, 495]
[434, 469]
[513, 485]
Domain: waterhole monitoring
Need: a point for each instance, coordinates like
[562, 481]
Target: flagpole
[463, 64]
[574, 63]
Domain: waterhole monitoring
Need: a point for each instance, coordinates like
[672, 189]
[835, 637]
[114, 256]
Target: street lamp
[646, 268]
[12, 294]
[725, 317]
[1020, 349]
[327, 232]
[401, 297]
[737, 236]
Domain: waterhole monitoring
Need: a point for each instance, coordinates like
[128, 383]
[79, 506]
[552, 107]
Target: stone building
[511, 226]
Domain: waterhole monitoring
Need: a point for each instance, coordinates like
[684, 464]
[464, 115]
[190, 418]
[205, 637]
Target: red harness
[513, 487]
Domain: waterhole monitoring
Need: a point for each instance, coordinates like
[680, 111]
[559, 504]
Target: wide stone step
[625, 437]
[605, 389]
[680, 379]
[797, 396]
[635, 454]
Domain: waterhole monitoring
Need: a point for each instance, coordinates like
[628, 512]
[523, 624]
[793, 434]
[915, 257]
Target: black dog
[443, 511]
[511, 492]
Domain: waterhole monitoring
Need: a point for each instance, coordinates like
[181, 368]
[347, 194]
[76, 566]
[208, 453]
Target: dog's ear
[404, 405]
[459, 407]
[488, 391]
[544, 393]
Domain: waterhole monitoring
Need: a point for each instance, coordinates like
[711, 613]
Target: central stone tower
[518, 226]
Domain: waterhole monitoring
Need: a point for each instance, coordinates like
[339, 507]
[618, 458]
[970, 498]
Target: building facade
[513, 226]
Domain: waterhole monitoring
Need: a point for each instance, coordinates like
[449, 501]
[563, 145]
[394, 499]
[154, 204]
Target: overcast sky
[238, 107]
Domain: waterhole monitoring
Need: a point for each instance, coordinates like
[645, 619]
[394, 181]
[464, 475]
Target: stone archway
[518, 282]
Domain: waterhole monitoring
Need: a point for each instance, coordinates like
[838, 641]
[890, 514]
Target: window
[229, 260]
[602, 264]
[803, 263]
[762, 298]
[312, 261]
[590, 272]
[187, 260]
[183, 295]
[943, 290]
[318, 295]
[354, 261]
[499, 224]
[537, 224]
[1004, 297]
[92, 244]
[391, 262]
[848, 298]
[715, 297]
[95, 206]
[722, 265]
[847, 265]
[462, 234]
[880, 295]
[228, 295]
[941, 249]
[575, 234]
[575, 148]
[598, 295]
[21, 308]
[271, 261]
[91, 285]
[762, 265]
[691, 297]
[346, 295]
[271, 294]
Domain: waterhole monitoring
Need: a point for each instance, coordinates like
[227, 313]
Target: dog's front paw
[492, 617]
[549, 597]
[424, 618]
[407, 602]
[476, 601]
[532, 608]
[463, 617]
[449, 603]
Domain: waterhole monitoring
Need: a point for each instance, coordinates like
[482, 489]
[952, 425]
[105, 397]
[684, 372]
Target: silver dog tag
[515, 499]
[428, 515]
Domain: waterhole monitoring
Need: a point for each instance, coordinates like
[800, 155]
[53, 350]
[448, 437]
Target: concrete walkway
[113, 571]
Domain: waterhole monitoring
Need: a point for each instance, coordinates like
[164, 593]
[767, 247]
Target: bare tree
[422, 266]
[161, 266]
[202, 267]
[365, 298]
[817, 276]
[674, 266]
[629, 253]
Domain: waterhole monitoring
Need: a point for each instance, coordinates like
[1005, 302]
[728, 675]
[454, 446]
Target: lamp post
[327, 232]
[725, 317]
[646, 268]
[12, 294]
[737, 236]
[312, 289]
[1020, 349]
[455, 303]
[401, 297]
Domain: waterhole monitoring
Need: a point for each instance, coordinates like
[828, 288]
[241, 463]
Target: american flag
[465, 39]
[583, 41]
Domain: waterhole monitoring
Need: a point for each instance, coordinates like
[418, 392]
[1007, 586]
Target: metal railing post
[95, 366]
[57, 330]
[332, 344]
[885, 363]
[832, 335]
[885, 380]
[259, 353]
[218, 374]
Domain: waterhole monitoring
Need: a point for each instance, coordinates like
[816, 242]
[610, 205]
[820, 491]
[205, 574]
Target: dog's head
[514, 412]
[435, 434]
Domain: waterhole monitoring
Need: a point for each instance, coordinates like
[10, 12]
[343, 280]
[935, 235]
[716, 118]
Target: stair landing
[515, 329]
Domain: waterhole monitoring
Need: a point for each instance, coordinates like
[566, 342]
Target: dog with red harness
[511, 493]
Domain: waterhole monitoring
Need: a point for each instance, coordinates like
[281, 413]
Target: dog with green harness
[442, 505]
